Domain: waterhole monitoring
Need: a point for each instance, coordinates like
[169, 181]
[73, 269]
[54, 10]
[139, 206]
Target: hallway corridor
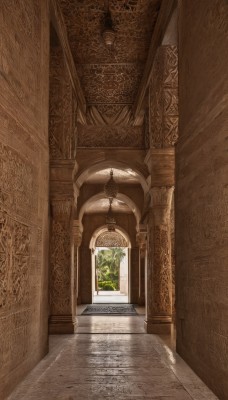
[111, 366]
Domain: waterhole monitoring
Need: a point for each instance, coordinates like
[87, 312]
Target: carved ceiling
[110, 79]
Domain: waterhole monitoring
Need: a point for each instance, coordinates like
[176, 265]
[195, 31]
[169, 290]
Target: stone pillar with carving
[159, 270]
[77, 243]
[141, 239]
[62, 317]
[61, 280]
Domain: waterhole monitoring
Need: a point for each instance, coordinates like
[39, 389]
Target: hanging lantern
[110, 220]
[111, 188]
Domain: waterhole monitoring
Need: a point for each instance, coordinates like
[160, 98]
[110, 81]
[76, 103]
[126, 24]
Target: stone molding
[77, 233]
[161, 166]
[61, 208]
[161, 200]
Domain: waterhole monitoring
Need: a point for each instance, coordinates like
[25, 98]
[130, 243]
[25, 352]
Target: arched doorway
[110, 266]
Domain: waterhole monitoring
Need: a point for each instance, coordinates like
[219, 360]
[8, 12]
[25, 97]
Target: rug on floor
[110, 309]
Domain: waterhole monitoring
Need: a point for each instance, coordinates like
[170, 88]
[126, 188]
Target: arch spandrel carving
[111, 239]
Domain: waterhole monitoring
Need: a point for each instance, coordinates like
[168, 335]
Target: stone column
[159, 273]
[61, 277]
[134, 275]
[141, 240]
[77, 243]
[61, 281]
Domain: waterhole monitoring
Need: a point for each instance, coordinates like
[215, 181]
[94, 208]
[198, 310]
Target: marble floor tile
[123, 366]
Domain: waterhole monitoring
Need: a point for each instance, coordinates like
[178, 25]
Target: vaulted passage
[113, 189]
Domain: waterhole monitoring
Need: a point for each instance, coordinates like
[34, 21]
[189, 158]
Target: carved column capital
[141, 239]
[61, 207]
[161, 199]
[77, 233]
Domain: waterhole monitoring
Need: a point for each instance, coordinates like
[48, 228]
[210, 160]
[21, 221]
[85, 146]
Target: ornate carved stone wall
[164, 98]
[63, 108]
[202, 192]
[60, 277]
[23, 188]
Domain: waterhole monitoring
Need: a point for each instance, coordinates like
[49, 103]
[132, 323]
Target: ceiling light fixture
[108, 33]
[111, 187]
[110, 190]
[110, 220]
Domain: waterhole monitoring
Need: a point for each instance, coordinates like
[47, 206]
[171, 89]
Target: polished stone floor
[112, 365]
[109, 297]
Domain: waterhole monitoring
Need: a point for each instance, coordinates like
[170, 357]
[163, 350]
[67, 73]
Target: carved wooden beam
[59, 25]
[163, 19]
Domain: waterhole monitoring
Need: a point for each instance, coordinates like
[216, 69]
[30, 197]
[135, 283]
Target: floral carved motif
[164, 98]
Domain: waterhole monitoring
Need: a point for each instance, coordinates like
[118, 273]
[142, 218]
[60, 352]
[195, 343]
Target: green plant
[108, 266]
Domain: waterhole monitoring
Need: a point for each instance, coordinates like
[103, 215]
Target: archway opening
[110, 269]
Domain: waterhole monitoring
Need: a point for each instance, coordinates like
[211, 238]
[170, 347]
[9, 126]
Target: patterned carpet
[110, 309]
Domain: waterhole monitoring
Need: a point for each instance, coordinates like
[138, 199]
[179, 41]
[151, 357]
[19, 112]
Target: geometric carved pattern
[111, 136]
[164, 98]
[111, 239]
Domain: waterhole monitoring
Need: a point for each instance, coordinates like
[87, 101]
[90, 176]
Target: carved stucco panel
[60, 255]
[116, 136]
[18, 187]
[22, 66]
[164, 98]
[62, 109]
[161, 272]
[15, 241]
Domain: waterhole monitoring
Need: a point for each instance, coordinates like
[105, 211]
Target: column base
[62, 324]
[159, 325]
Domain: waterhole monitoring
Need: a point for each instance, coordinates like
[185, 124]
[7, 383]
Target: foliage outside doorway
[108, 268]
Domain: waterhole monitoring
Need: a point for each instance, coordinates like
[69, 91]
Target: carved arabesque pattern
[110, 76]
[105, 136]
[60, 296]
[161, 271]
[111, 239]
[22, 66]
[18, 187]
[110, 83]
[15, 240]
[62, 109]
[164, 98]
